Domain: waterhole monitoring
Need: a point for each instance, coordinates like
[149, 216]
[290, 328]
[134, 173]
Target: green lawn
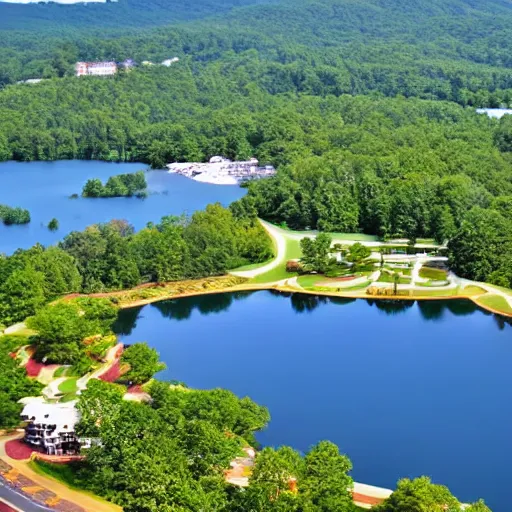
[310, 280]
[359, 237]
[279, 273]
[496, 302]
[62, 371]
[68, 386]
[473, 290]
[435, 293]
[434, 274]
[388, 278]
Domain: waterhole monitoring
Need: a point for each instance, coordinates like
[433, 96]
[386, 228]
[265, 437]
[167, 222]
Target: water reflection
[182, 309]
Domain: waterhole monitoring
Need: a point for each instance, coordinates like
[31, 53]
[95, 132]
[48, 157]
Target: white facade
[95, 68]
[51, 427]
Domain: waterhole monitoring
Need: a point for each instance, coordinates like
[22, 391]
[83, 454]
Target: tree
[53, 225]
[93, 188]
[143, 361]
[326, 485]
[61, 329]
[420, 495]
[358, 253]
[315, 253]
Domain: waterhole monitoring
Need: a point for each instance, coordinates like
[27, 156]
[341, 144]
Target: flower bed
[33, 368]
[18, 450]
[112, 374]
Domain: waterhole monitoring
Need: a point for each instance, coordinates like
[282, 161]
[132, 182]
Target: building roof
[64, 415]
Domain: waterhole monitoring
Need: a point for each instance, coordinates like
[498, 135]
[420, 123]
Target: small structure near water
[222, 171]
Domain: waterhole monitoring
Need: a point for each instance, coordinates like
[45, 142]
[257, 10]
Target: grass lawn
[473, 290]
[68, 386]
[69, 398]
[496, 302]
[310, 280]
[359, 237]
[250, 267]
[433, 273]
[279, 273]
[62, 371]
[435, 293]
[388, 278]
[433, 284]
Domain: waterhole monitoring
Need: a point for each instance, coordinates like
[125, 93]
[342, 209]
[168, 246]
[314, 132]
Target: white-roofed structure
[51, 427]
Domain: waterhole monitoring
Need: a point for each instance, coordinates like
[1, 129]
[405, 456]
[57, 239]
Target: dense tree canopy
[14, 383]
[111, 256]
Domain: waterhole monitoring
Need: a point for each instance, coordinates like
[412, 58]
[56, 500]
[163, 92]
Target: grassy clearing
[62, 371]
[68, 386]
[434, 274]
[388, 278]
[279, 273]
[496, 302]
[276, 274]
[433, 284]
[450, 292]
[359, 237]
[473, 290]
[309, 280]
[253, 266]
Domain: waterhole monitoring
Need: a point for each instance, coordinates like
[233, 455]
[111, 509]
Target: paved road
[19, 501]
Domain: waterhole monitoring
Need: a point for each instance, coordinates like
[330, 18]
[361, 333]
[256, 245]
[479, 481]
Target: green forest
[365, 107]
[112, 257]
[367, 110]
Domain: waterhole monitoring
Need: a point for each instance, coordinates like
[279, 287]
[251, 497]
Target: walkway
[280, 242]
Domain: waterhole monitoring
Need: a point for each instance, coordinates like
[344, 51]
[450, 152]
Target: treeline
[13, 215]
[122, 185]
[112, 257]
[181, 443]
[14, 383]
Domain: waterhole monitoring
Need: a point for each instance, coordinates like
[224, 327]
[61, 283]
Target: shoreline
[288, 289]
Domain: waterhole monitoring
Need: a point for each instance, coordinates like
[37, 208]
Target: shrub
[293, 266]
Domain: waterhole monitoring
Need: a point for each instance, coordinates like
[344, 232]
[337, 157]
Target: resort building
[95, 68]
[223, 171]
[51, 427]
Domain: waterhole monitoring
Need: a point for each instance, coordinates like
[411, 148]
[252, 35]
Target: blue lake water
[44, 189]
[404, 390]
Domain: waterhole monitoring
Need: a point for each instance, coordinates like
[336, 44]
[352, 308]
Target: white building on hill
[95, 68]
[51, 427]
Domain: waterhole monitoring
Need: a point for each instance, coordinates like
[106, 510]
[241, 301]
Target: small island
[122, 185]
[10, 215]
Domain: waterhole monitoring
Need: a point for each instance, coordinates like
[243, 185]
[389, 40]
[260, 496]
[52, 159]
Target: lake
[44, 189]
[404, 389]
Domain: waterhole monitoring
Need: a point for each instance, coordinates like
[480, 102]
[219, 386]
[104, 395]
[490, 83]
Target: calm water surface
[404, 390]
[44, 189]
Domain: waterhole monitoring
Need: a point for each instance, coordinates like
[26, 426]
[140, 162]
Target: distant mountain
[119, 14]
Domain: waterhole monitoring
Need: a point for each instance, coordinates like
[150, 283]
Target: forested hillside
[456, 50]
[363, 105]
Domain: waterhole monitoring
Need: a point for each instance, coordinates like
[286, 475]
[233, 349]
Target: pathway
[280, 241]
